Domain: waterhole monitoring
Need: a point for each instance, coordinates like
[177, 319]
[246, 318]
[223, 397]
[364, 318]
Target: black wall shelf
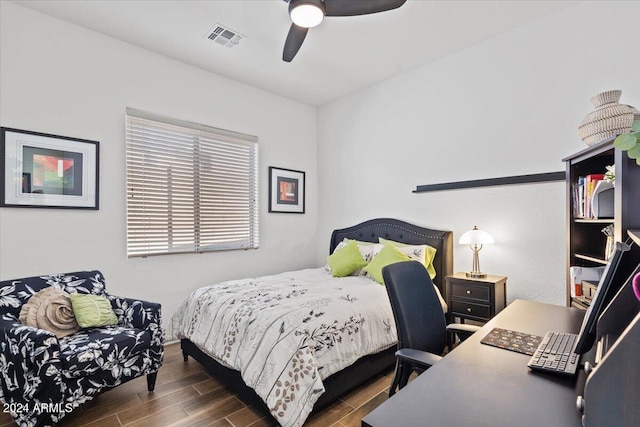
[507, 180]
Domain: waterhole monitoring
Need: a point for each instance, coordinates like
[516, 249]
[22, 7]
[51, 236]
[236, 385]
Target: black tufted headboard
[400, 231]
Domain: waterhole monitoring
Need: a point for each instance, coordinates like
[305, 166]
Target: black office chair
[420, 321]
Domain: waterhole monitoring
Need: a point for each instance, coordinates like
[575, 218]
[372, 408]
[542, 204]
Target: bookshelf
[585, 241]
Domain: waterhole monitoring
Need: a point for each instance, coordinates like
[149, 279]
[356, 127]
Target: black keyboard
[555, 354]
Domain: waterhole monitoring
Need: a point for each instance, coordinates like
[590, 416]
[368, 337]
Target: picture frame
[286, 190]
[41, 170]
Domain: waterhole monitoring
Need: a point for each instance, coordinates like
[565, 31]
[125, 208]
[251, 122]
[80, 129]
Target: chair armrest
[134, 313]
[419, 358]
[144, 315]
[463, 331]
[29, 365]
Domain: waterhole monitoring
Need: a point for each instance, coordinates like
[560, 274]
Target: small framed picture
[286, 190]
[47, 171]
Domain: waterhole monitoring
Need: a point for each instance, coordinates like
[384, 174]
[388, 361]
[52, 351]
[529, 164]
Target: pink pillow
[636, 285]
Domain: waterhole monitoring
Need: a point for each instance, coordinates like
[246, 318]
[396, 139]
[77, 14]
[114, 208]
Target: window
[190, 188]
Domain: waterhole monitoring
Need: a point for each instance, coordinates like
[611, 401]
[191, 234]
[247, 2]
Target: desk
[481, 385]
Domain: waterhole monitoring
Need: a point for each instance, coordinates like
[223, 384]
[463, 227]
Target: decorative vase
[610, 118]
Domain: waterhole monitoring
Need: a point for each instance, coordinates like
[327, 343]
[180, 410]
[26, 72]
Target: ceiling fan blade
[359, 7]
[294, 41]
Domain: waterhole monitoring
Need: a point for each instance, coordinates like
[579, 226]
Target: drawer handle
[468, 292]
[468, 310]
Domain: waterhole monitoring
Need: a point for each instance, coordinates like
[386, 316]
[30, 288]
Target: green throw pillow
[387, 255]
[92, 310]
[346, 260]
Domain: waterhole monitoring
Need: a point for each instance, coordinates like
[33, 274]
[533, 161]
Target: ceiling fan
[306, 14]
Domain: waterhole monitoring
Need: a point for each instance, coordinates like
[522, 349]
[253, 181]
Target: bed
[320, 386]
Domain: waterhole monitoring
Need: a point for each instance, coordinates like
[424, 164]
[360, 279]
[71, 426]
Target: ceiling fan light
[306, 13]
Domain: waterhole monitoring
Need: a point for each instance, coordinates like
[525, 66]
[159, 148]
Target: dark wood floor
[186, 395]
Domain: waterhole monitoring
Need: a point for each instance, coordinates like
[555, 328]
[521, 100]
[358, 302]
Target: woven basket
[608, 119]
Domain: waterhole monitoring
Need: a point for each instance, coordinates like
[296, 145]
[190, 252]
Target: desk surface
[481, 385]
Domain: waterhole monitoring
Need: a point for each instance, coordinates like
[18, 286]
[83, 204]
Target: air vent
[224, 36]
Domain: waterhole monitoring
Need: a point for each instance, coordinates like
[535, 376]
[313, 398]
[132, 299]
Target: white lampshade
[307, 13]
[476, 237]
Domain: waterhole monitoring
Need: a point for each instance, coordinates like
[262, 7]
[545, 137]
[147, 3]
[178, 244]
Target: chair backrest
[416, 308]
[14, 293]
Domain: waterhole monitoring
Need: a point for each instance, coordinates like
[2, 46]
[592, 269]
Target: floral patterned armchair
[43, 378]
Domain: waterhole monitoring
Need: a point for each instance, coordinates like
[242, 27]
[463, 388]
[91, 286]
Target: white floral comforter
[287, 332]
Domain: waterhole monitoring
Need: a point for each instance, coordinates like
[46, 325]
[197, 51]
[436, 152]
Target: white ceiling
[341, 55]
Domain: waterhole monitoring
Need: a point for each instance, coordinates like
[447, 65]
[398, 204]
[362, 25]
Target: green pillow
[346, 260]
[92, 310]
[387, 255]
[425, 254]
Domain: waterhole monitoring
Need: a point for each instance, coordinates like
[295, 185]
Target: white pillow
[424, 254]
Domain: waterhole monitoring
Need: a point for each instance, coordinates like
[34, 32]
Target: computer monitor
[607, 287]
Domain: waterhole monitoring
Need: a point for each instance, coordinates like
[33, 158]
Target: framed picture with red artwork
[286, 190]
[41, 170]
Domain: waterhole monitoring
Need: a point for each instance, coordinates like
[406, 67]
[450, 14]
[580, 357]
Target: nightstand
[477, 299]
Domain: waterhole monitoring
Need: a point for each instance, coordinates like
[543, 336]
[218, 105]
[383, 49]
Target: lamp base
[475, 275]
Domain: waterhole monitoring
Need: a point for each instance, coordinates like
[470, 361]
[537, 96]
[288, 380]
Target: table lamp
[475, 239]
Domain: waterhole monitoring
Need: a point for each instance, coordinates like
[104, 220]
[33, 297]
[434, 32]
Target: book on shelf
[577, 196]
[582, 194]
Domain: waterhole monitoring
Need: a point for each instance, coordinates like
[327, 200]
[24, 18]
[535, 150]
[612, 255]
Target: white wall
[62, 79]
[507, 106]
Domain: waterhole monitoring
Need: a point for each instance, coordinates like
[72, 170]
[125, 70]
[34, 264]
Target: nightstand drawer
[470, 310]
[461, 290]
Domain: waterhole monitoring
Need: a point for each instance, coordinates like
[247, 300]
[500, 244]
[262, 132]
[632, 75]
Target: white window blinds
[190, 188]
